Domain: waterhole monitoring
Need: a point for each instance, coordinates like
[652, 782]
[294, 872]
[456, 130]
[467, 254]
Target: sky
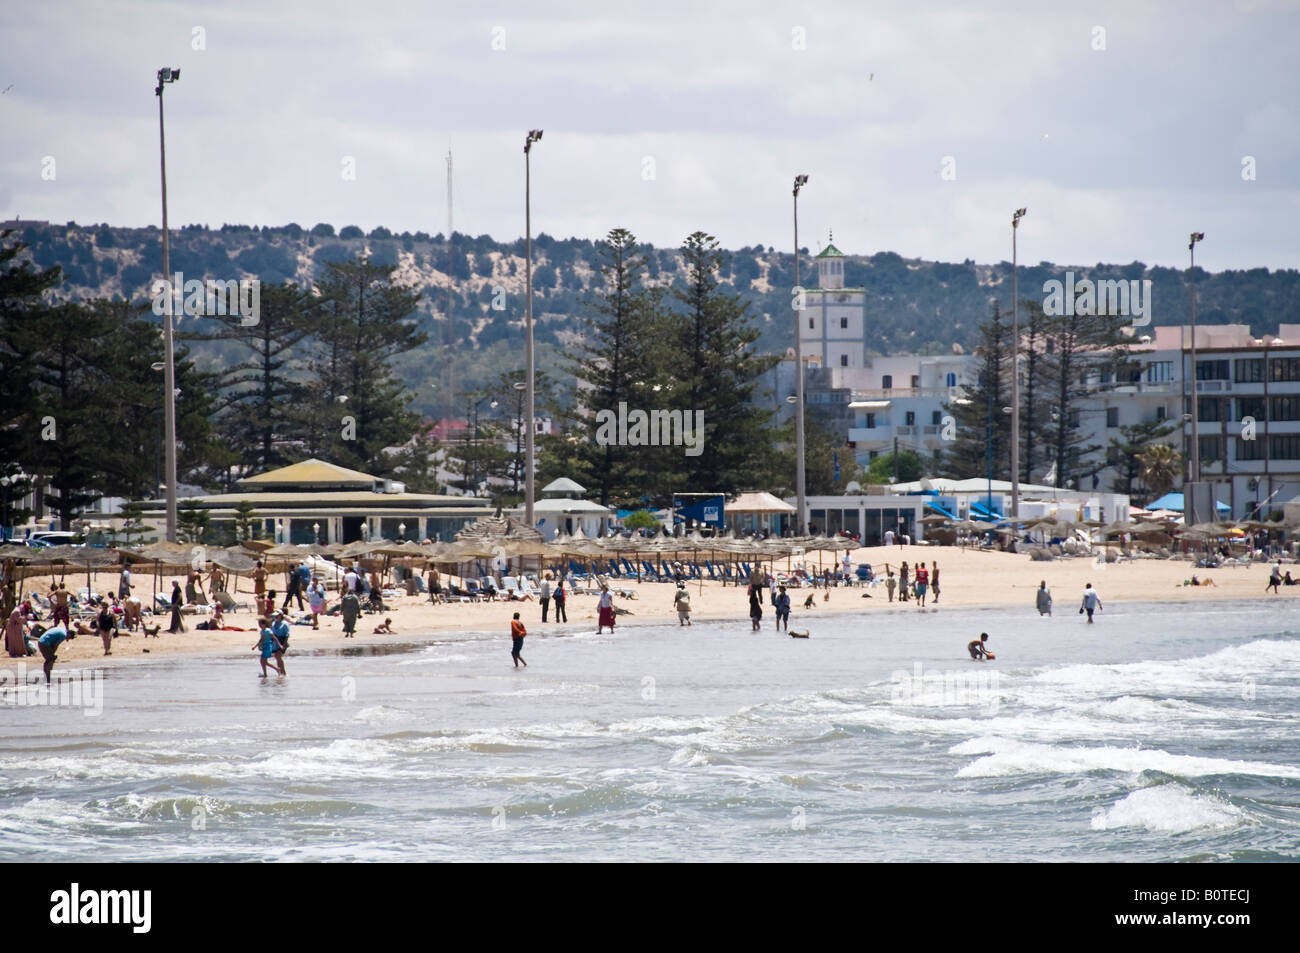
[1122, 127]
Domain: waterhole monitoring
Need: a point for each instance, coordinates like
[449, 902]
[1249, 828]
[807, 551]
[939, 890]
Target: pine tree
[719, 371]
[358, 405]
[980, 421]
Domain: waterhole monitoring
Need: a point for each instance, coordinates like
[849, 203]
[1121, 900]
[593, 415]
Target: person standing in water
[517, 633]
[49, 643]
[782, 603]
[755, 607]
[1091, 601]
[604, 610]
[267, 642]
[1044, 599]
[978, 648]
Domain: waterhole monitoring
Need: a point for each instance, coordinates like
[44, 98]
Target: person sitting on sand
[808, 603]
[218, 616]
[1287, 580]
[386, 628]
[376, 600]
[978, 648]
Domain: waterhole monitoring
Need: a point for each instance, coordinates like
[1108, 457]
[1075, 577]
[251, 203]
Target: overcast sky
[666, 117]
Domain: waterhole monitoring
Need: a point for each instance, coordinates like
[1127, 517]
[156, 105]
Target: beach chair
[510, 587]
[162, 603]
[713, 576]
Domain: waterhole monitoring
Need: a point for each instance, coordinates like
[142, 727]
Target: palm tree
[1158, 467]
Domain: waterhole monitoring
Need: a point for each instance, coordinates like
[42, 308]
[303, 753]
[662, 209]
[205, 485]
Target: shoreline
[970, 580]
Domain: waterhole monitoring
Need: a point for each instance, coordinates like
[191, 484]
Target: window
[844, 360]
[844, 322]
[1211, 370]
[916, 381]
[936, 417]
[909, 418]
[887, 382]
[1160, 372]
[812, 324]
[1112, 416]
[1250, 449]
[1284, 369]
[871, 425]
[1073, 421]
[1284, 447]
[1248, 370]
[1207, 408]
[1284, 408]
[1161, 413]
[1211, 451]
[952, 379]
[1250, 407]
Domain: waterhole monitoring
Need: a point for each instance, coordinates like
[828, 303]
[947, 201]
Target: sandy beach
[968, 578]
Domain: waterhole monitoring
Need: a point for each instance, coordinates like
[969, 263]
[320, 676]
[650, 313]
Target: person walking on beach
[194, 587]
[178, 624]
[934, 582]
[889, 537]
[16, 635]
[1275, 578]
[890, 582]
[517, 633]
[107, 624]
[560, 595]
[755, 607]
[292, 587]
[267, 642]
[604, 610]
[1091, 601]
[544, 594]
[124, 584]
[682, 603]
[61, 598]
[782, 609]
[281, 629]
[349, 609]
[922, 585]
[316, 598]
[903, 582]
[49, 643]
[1043, 599]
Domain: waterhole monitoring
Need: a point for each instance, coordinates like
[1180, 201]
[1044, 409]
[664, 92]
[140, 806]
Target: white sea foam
[1169, 809]
[1005, 757]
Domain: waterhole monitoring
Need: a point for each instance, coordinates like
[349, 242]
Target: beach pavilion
[314, 501]
[563, 510]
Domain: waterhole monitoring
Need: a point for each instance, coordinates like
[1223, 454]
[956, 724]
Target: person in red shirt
[922, 585]
[517, 633]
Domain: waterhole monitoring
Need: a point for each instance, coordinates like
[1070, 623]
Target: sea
[1159, 733]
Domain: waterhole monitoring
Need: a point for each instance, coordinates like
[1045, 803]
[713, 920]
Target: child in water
[267, 642]
[977, 648]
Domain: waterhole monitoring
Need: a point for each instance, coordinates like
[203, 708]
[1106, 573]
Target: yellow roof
[310, 471]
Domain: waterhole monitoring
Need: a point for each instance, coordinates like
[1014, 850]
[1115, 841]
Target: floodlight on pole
[168, 75]
[1015, 369]
[534, 135]
[800, 478]
[1195, 456]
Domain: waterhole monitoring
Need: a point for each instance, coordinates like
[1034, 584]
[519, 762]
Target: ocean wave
[1169, 809]
[1004, 757]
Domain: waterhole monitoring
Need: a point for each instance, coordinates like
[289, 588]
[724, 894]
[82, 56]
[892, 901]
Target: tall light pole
[801, 517]
[1196, 442]
[167, 75]
[534, 135]
[1015, 370]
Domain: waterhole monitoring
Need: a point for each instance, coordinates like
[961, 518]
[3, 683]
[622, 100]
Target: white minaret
[832, 319]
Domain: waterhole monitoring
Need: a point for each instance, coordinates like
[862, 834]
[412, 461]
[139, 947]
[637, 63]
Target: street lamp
[800, 480]
[1195, 457]
[1015, 370]
[315, 532]
[401, 531]
[167, 75]
[534, 135]
[279, 531]
[473, 413]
